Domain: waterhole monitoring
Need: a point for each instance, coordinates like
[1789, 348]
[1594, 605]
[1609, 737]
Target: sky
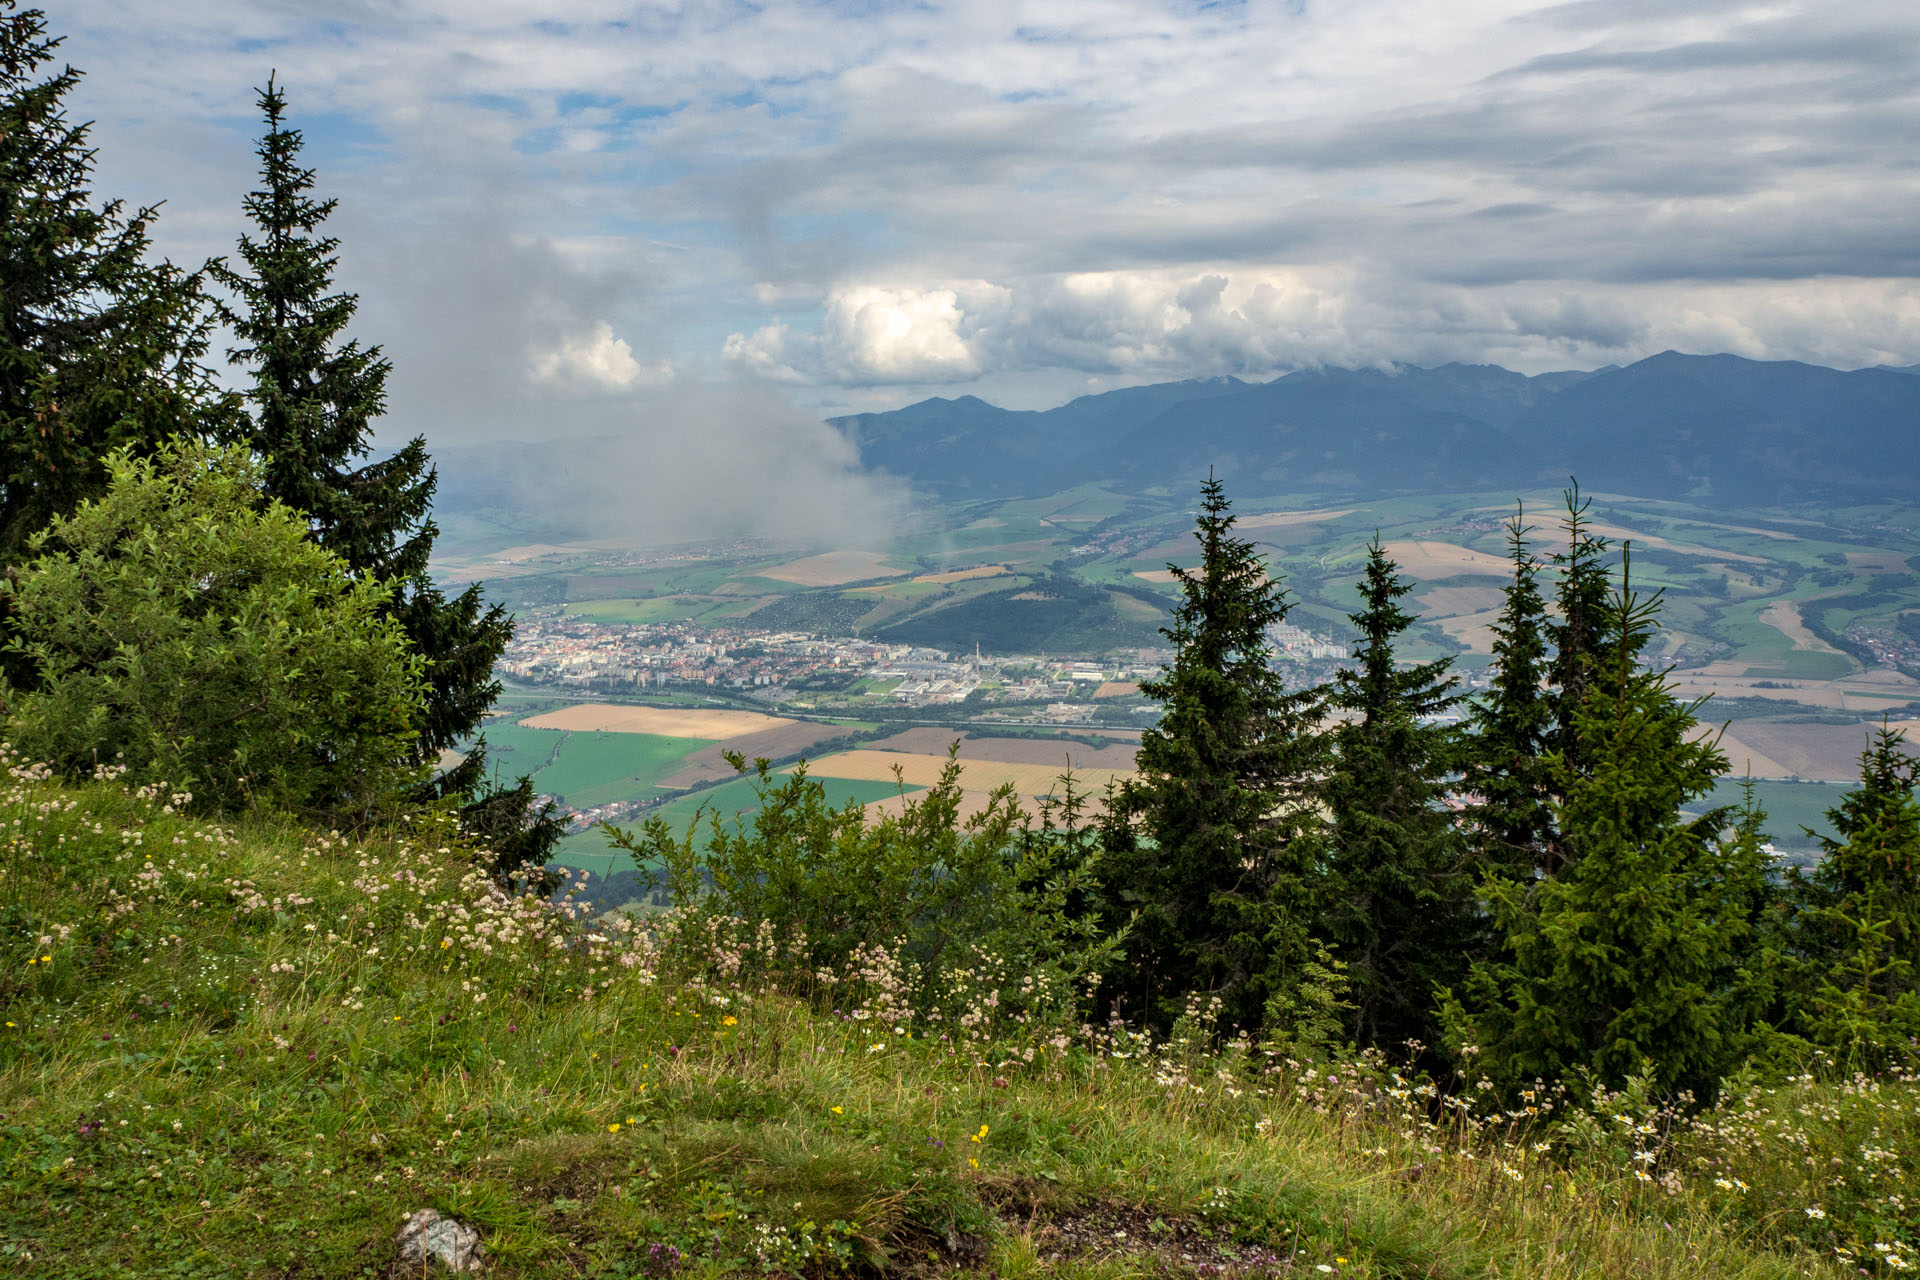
[588, 217]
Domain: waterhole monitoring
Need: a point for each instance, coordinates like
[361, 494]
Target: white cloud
[815, 192]
[597, 360]
[875, 334]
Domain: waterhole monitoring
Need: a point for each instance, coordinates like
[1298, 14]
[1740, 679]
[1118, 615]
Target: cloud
[596, 360]
[860, 200]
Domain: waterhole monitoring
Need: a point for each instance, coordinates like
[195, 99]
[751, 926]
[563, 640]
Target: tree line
[1517, 887]
[225, 589]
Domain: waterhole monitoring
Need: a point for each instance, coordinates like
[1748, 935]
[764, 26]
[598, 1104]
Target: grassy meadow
[249, 1049]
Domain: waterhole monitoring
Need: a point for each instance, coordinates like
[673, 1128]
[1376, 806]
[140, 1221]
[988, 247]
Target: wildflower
[1815, 1211]
[836, 1110]
[974, 1162]
[729, 1021]
[613, 1128]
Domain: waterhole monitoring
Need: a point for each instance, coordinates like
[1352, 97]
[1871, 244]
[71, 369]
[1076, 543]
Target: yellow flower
[975, 1163]
[445, 943]
[837, 1111]
[631, 1120]
[729, 1021]
[613, 1128]
[46, 959]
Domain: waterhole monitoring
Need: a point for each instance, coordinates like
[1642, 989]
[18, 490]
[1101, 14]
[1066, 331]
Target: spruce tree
[1208, 840]
[1400, 898]
[1858, 915]
[1581, 633]
[99, 348]
[1510, 730]
[1635, 951]
[315, 397]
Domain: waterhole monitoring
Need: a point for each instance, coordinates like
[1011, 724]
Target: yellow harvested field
[1863, 691]
[1429, 560]
[962, 575]
[667, 722]
[1281, 519]
[1622, 533]
[1116, 689]
[833, 568]
[1474, 630]
[1784, 616]
[982, 775]
[1812, 752]
[1448, 602]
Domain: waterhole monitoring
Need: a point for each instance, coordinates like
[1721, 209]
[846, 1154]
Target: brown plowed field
[1056, 754]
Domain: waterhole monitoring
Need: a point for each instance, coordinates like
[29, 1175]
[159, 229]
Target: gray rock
[427, 1237]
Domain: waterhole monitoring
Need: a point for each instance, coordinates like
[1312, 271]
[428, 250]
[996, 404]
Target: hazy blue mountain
[1318, 432]
[1738, 430]
[966, 447]
[1711, 427]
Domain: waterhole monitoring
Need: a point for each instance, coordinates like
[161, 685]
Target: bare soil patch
[667, 722]
[962, 575]
[709, 765]
[833, 568]
[1117, 689]
[1429, 560]
[1146, 1242]
[1057, 754]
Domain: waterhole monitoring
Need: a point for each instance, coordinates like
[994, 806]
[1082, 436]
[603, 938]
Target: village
[795, 669]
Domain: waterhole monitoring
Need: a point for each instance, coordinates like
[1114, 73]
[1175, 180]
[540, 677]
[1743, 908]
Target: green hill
[250, 1049]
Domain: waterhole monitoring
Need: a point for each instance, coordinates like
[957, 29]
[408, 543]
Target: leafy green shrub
[184, 630]
[921, 913]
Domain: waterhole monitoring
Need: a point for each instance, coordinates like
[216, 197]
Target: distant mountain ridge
[1719, 428]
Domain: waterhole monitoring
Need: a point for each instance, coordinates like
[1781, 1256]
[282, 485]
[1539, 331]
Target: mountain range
[1716, 429]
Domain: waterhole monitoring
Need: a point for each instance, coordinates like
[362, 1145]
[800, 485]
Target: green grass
[247, 1050]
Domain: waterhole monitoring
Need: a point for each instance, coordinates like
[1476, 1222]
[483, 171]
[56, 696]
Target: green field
[589, 768]
[1790, 806]
[589, 849]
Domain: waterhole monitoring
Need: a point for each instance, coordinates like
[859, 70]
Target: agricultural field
[1767, 614]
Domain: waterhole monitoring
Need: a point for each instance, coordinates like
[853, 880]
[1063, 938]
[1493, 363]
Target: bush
[927, 911]
[184, 629]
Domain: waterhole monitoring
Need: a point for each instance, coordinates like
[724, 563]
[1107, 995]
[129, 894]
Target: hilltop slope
[249, 1050]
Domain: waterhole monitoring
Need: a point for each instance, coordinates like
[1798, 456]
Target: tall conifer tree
[1510, 730]
[99, 347]
[1636, 950]
[1400, 900]
[315, 397]
[1207, 840]
[1858, 915]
